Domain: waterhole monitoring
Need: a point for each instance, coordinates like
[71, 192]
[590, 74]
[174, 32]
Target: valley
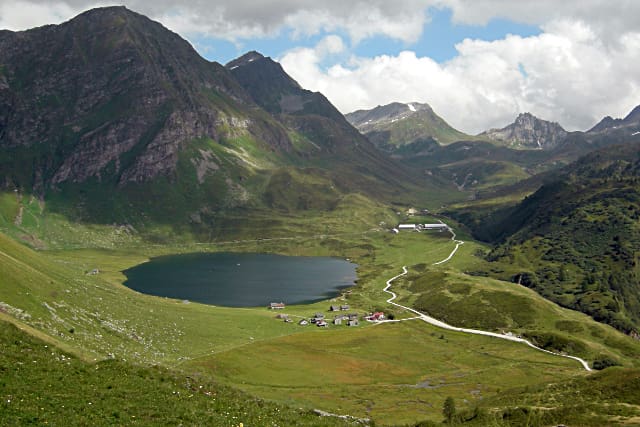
[523, 310]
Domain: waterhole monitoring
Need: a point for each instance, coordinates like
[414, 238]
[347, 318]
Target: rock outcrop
[528, 131]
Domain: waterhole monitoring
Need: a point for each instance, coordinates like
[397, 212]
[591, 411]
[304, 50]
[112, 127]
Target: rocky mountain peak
[266, 81]
[633, 117]
[528, 131]
[245, 59]
[631, 123]
[365, 119]
[397, 124]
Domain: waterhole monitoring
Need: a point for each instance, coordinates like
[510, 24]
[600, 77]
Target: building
[277, 306]
[344, 307]
[441, 226]
[408, 227]
[322, 324]
[303, 322]
[352, 322]
[375, 317]
[333, 308]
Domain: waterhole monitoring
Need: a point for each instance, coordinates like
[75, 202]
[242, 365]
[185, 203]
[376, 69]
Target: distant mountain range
[395, 125]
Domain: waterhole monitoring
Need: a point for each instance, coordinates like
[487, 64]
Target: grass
[370, 371]
[395, 374]
[40, 384]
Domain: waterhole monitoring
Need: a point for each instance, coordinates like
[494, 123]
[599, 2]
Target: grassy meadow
[395, 374]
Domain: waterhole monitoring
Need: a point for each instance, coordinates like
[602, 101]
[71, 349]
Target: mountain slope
[111, 118]
[577, 240]
[115, 392]
[112, 89]
[528, 131]
[396, 125]
[351, 159]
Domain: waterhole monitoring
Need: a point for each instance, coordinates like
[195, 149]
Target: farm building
[438, 226]
[410, 227]
[277, 306]
[375, 317]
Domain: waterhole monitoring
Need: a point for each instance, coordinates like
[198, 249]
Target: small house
[303, 322]
[344, 307]
[277, 306]
[375, 317]
[282, 316]
[352, 322]
[322, 324]
[337, 320]
[334, 308]
[318, 316]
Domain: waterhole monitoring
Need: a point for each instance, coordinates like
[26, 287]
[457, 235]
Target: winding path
[453, 252]
[443, 325]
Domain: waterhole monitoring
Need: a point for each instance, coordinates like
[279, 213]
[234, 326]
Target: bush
[603, 362]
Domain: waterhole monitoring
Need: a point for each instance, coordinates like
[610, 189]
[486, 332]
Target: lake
[242, 280]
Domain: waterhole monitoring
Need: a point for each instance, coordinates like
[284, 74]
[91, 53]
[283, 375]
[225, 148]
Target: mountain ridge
[528, 131]
[398, 124]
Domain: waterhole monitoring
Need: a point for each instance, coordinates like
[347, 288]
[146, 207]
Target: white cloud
[21, 15]
[567, 73]
[584, 65]
[605, 17]
[360, 19]
[241, 19]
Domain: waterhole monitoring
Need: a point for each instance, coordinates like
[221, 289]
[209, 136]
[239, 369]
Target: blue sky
[478, 63]
[438, 40]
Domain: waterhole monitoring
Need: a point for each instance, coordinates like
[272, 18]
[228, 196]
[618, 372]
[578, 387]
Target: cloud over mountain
[568, 74]
[583, 65]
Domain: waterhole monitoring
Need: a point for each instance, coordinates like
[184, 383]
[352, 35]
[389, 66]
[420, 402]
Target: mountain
[396, 125]
[630, 123]
[111, 89]
[529, 131]
[112, 118]
[309, 113]
[576, 240]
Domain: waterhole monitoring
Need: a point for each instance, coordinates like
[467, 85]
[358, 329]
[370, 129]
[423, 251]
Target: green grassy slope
[606, 398]
[340, 369]
[40, 384]
[576, 240]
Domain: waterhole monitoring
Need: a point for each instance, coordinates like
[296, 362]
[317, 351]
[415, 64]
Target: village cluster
[322, 321]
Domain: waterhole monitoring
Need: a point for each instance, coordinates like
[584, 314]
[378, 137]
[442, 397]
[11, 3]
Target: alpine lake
[242, 279]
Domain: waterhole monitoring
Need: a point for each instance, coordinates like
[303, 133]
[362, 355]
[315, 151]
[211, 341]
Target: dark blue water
[242, 280]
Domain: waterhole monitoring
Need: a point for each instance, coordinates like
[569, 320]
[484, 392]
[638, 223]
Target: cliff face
[529, 131]
[113, 90]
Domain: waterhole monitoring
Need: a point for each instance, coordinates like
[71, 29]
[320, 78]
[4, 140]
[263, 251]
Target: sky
[478, 63]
